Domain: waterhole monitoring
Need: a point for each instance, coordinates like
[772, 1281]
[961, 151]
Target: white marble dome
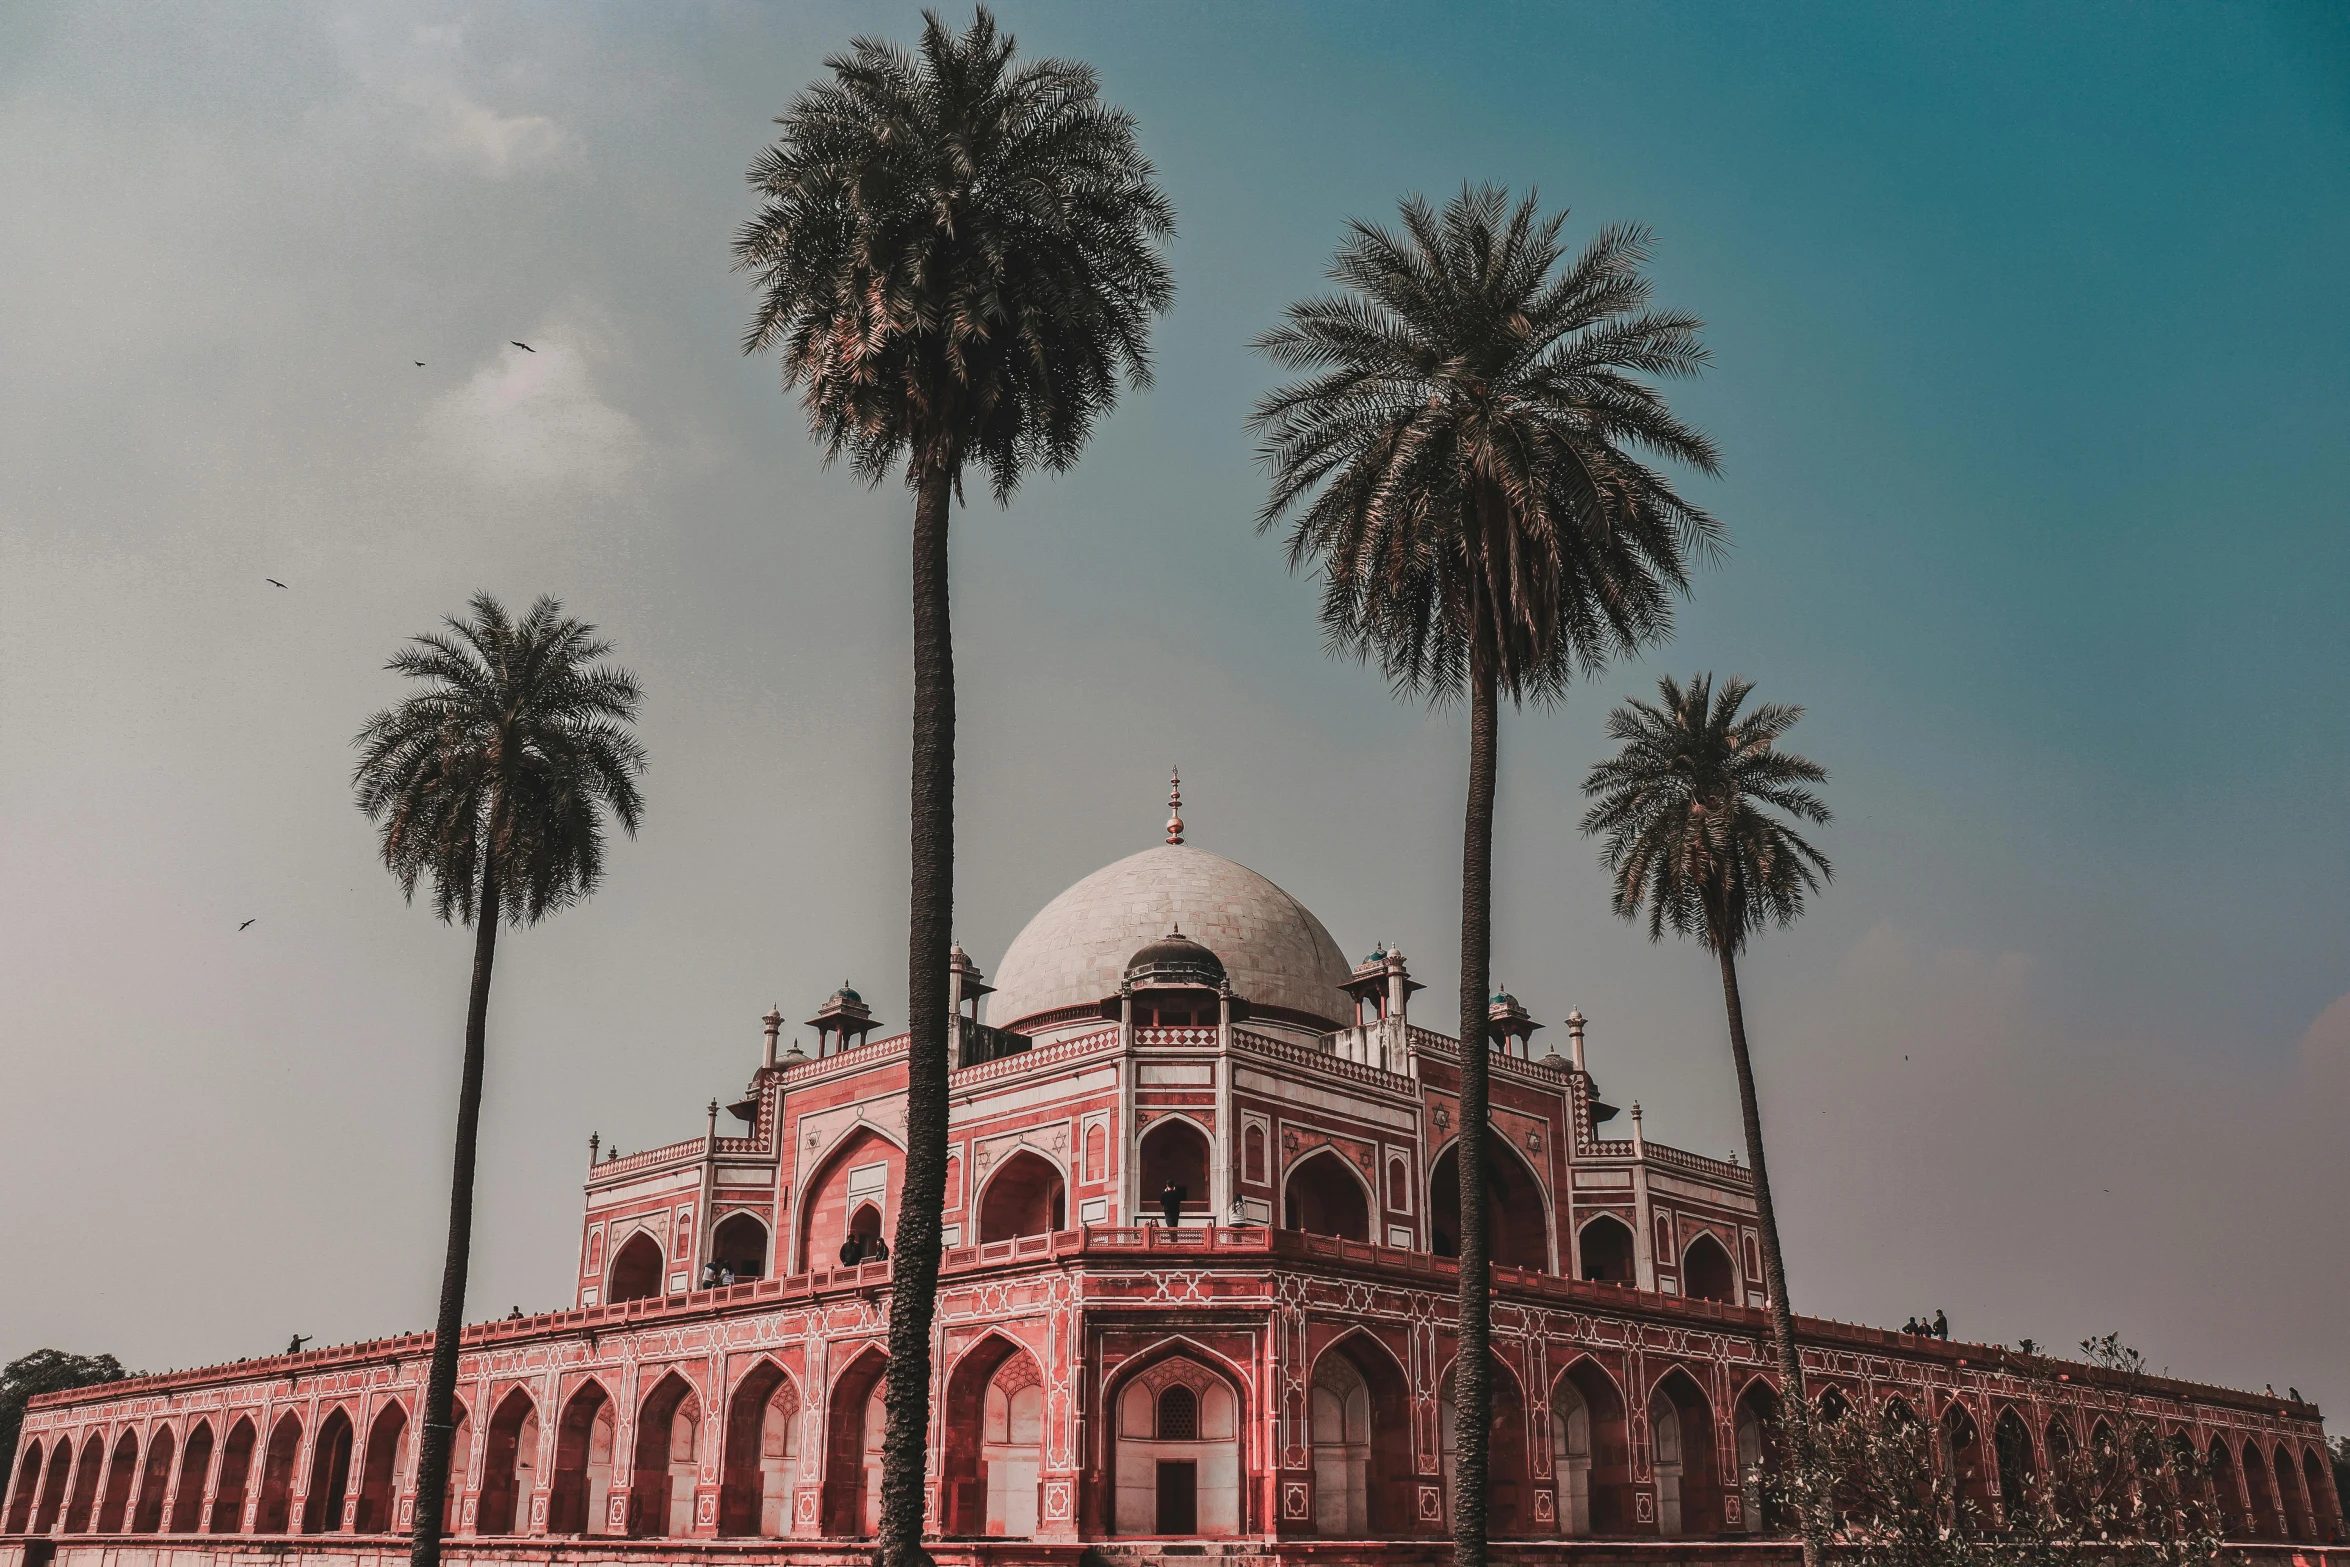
[1074, 952]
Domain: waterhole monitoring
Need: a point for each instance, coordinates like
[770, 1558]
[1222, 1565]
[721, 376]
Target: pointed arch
[236, 1470]
[2325, 1510]
[1707, 1273]
[1606, 1248]
[56, 1486]
[739, 1244]
[277, 1476]
[187, 1507]
[380, 1470]
[1509, 1477]
[844, 1180]
[509, 1470]
[754, 1485]
[2011, 1452]
[1681, 1421]
[1166, 1481]
[121, 1473]
[1518, 1214]
[28, 1481]
[637, 1270]
[1027, 1193]
[2265, 1516]
[993, 1421]
[1364, 1480]
[852, 1446]
[330, 1474]
[2298, 1525]
[579, 1492]
[668, 1438]
[1177, 1151]
[1325, 1194]
[154, 1481]
[1757, 1418]
[1603, 1469]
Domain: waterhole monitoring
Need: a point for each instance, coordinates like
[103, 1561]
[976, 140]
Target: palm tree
[1686, 807]
[959, 257]
[1460, 453]
[492, 781]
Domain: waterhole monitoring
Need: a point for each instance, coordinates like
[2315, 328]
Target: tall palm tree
[1687, 809]
[959, 257]
[492, 781]
[1461, 455]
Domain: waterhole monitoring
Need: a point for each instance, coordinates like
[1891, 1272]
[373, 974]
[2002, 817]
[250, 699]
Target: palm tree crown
[956, 253]
[512, 752]
[1686, 807]
[1463, 447]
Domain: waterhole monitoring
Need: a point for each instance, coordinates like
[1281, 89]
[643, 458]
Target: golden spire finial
[1175, 805]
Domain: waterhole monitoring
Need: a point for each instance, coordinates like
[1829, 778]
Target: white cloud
[455, 130]
[535, 421]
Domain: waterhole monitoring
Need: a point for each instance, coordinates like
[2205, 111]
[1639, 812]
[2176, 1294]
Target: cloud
[456, 131]
[535, 421]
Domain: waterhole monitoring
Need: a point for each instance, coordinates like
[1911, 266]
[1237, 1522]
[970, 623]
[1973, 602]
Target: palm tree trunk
[1472, 1376]
[440, 1388]
[914, 1265]
[1766, 1219]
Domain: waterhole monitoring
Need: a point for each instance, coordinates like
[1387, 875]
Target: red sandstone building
[1274, 1366]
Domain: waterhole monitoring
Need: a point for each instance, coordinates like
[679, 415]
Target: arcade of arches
[1175, 1452]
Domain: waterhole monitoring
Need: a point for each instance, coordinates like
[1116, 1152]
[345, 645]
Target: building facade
[1198, 1283]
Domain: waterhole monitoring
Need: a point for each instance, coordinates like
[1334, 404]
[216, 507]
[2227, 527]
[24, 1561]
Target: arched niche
[994, 1427]
[121, 1474]
[854, 1189]
[154, 1481]
[759, 1469]
[579, 1493]
[636, 1270]
[1024, 1195]
[1517, 1213]
[236, 1470]
[509, 1473]
[855, 1423]
[1174, 1152]
[1359, 1420]
[26, 1488]
[1606, 1247]
[277, 1476]
[380, 1471]
[1755, 1433]
[739, 1245]
[330, 1475]
[1591, 1451]
[668, 1445]
[1323, 1195]
[1681, 1438]
[1176, 1449]
[1707, 1273]
[1509, 1511]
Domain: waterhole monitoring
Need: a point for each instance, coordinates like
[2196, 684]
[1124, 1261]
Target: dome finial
[1175, 805]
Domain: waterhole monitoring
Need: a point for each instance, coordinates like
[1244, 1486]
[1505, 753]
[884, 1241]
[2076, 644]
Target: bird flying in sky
[248, 922]
[525, 347]
[273, 582]
[419, 364]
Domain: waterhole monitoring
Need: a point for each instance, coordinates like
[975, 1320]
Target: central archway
[1324, 1196]
[1176, 1458]
[1517, 1212]
[1024, 1196]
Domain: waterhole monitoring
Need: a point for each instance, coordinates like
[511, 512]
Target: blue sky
[2028, 345]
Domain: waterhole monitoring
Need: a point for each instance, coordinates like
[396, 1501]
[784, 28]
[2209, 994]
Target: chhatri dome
[1077, 950]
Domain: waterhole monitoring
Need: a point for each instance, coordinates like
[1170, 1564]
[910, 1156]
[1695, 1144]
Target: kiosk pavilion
[1172, 1037]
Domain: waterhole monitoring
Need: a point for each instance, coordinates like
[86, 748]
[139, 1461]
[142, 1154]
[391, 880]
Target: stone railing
[877, 1052]
[1670, 1158]
[686, 1152]
[1043, 1057]
[1445, 1048]
[1293, 1054]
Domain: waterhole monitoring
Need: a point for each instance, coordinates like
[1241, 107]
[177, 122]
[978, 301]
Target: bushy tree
[1886, 1488]
[44, 1371]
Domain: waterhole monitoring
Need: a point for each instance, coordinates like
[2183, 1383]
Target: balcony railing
[1293, 1054]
